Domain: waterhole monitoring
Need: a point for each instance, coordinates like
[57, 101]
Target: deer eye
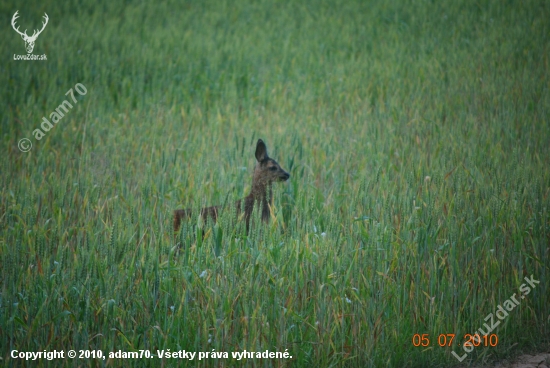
[272, 168]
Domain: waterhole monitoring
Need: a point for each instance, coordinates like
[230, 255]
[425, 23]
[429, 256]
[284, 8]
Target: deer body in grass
[266, 172]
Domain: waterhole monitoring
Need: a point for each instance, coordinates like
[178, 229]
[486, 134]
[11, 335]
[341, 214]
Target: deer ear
[261, 151]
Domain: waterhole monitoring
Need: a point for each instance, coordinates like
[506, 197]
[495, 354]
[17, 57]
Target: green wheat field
[416, 134]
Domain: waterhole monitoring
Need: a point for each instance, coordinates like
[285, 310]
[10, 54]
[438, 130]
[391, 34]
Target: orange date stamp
[468, 340]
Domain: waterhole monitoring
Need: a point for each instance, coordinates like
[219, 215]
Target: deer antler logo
[29, 40]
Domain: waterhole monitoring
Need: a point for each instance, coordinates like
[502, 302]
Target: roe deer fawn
[266, 172]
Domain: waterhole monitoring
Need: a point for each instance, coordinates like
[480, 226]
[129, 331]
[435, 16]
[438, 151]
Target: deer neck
[260, 195]
[261, 192]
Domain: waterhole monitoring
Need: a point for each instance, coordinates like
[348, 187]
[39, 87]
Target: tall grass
[416, 134]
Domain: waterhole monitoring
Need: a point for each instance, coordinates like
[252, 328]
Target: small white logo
[29, 40]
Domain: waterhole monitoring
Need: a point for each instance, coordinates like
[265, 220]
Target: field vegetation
[416, 134]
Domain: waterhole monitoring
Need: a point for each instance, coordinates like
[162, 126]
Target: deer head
[29, 40]
[267, 169]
